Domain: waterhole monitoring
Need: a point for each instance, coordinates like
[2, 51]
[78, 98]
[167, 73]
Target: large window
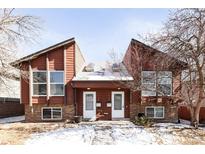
[56, 83]
[156, 83]
[39, 83]
[154, 111]
[51, 113]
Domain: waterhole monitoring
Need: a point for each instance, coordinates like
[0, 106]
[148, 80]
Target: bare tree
[183, 37]
[14, 31]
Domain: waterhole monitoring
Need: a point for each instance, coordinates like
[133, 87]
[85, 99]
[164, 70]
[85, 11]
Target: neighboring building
[61, 85]
[10, 99]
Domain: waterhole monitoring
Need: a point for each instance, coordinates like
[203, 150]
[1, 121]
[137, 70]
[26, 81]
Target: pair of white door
[89, 105]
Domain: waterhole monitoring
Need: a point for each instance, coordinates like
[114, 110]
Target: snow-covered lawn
[99, 132]
[12, 119]
[120, 132]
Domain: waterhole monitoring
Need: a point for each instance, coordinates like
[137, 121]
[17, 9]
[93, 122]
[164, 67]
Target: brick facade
[33, 114]
[170, 110]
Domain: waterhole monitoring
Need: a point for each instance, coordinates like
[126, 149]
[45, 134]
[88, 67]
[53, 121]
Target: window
[164, 80]
[155, 112]
[39, 83]
[117, 101]
[160, 82]
[56, 83]
[149, 83]
[89, 102]
[51, 113]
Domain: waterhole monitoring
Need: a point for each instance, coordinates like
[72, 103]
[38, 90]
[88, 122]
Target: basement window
[57, 83]
[39, 83]
[156, 112]
[51, 113]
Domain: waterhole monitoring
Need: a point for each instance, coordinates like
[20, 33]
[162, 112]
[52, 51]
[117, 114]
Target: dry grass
[183, 136]
[17, 133]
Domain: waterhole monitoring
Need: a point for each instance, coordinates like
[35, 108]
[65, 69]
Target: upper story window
[156, 83]
[55, 79]
[149, 83]
[164, 80]
[39, 83]
[56, 83]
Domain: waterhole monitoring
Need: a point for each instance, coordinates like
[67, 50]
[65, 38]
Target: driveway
[120, 132]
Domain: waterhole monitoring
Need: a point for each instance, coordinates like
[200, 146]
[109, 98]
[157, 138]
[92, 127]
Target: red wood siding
[103, 96]
[70, 65]
[56, 57]
[39, 63]
[56, 62]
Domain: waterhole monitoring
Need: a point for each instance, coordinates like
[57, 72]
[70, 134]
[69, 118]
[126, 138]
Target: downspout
[75, 103]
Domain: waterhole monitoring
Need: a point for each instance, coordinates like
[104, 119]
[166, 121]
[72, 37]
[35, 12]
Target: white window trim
[57, 82]
[155, 112]
[48, 78]
[38, 83]
[51, 113]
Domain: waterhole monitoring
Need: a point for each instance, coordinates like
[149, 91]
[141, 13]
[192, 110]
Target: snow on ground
[12, 119]
[80, 135]
[119, 132]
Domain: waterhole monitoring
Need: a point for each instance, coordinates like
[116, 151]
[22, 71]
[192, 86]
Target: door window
[89, 102]
[117, 102]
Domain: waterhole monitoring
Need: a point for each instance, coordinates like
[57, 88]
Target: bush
[143, 121]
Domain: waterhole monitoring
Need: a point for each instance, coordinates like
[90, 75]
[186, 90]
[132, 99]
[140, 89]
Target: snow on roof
[103, 72]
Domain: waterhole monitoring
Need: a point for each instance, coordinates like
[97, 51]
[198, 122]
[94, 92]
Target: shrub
[143, 121]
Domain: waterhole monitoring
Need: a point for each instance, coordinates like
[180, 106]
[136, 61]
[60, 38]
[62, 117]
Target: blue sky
[97, 31]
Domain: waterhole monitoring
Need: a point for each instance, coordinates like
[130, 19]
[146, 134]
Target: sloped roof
[153, 50]
[103, 72]
[36, 54]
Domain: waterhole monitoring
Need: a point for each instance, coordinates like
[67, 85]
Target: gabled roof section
[156, 51]
[50, 48]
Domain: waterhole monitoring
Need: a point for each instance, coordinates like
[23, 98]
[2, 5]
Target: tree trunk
[196, 116]
[194, 112]
[191, 109]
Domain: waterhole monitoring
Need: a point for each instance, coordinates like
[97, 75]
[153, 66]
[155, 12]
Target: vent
[89, 67]
[100, 73]
[116, 67]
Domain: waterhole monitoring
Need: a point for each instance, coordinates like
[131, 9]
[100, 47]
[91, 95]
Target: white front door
[89, 105]
[118, 104]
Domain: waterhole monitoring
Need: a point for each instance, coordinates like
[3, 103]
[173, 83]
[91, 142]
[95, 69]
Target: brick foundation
[170, 110]
[33, 114]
